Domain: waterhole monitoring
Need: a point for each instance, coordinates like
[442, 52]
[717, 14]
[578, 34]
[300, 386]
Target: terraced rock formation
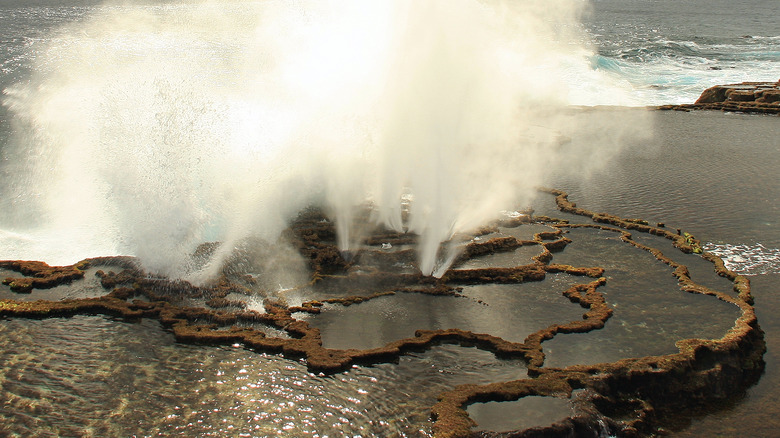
[625, 398]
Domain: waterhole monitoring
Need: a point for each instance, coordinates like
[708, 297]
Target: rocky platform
[632, 397]
[746, 97]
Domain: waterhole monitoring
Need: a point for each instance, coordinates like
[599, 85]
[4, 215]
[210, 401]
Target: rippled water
[97, 377]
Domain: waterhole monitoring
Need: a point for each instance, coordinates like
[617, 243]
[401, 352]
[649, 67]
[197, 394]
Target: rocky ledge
[633, 397]
[747, 97]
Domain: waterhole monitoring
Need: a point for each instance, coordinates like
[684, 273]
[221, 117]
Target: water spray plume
[149, 130]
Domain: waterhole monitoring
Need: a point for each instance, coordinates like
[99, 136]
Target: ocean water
[667, 51]
[719, 184]
[670, 51]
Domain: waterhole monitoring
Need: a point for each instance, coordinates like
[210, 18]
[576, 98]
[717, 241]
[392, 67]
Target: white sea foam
[755, 259]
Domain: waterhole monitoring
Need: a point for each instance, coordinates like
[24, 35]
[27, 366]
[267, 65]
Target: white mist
[148, 129]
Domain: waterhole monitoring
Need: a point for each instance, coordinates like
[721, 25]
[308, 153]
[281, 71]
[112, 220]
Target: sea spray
[147, 130]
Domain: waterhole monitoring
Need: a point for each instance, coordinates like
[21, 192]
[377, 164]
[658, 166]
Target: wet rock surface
[629, 397]
[746, 97]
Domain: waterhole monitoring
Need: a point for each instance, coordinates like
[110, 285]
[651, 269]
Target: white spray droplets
[167, 126]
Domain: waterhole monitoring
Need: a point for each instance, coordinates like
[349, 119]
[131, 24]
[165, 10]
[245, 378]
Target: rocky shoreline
[746, 97]
[629, 397]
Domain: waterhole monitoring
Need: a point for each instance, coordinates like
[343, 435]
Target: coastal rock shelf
[629, 397]
[746, 97]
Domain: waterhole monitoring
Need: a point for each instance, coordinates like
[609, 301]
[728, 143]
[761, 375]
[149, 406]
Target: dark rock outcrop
[747, 97]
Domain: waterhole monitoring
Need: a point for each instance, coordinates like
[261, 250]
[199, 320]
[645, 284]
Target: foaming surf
[670, 58]
[747, 259]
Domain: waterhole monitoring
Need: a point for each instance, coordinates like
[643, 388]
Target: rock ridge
[746, 97]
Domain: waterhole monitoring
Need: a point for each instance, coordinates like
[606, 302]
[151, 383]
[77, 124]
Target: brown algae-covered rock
[748, 97]
[629, 397]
